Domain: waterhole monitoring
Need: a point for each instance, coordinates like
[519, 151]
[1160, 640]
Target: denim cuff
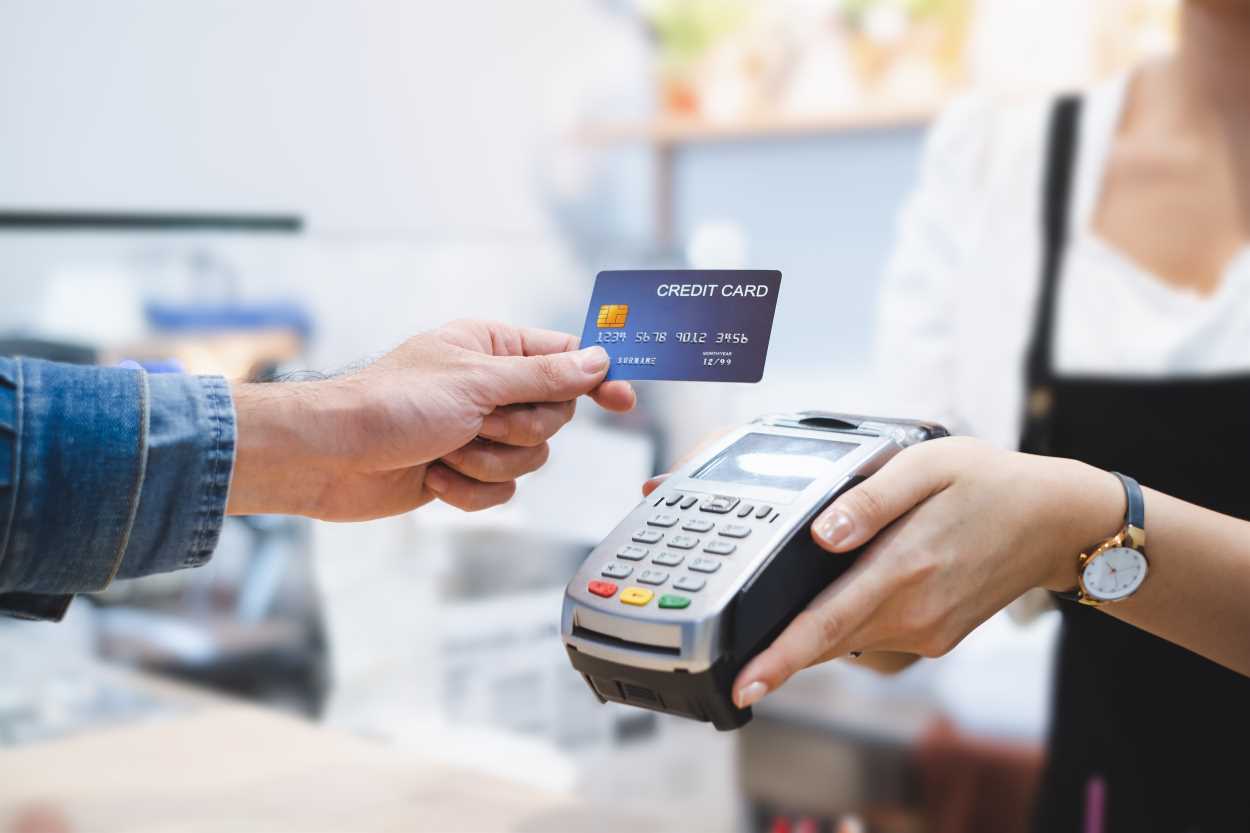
[79, 453]
[104, 473]
[190, 455]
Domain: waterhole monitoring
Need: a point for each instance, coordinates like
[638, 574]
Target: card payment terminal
[703, 574]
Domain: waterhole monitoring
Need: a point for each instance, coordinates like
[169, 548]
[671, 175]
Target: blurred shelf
[667, 135]
[133, 221]
[671, 131]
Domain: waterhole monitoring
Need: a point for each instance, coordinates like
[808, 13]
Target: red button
[607, 589]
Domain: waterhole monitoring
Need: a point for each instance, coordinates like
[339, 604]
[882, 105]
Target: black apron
[1157, 735]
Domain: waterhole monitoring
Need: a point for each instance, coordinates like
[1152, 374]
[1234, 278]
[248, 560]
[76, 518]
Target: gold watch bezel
[1130, 537]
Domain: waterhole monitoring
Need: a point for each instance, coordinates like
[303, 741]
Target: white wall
[414, 115]
[421, 140]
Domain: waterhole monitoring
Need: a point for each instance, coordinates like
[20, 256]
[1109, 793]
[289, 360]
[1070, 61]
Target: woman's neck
[1212, 65]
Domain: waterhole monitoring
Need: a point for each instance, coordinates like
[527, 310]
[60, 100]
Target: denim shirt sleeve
[105, 473]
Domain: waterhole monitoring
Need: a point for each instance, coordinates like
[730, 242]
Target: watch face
[1114, 574]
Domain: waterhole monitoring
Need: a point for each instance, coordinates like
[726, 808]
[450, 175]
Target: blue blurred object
[229, 316]
[154, 365]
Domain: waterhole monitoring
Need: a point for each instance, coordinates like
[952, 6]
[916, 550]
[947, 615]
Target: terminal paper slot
[618, 632]
[616, 642]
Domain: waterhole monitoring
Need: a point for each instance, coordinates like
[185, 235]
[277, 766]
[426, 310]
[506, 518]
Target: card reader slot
[828, 423]
[583, 632]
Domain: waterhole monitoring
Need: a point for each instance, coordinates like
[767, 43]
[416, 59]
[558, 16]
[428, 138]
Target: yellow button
[636, 596]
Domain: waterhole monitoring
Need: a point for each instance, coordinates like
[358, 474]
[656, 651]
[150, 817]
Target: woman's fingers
[492, 462]
[832, 625]
[852, 614]
[526, 425]
[863, 511]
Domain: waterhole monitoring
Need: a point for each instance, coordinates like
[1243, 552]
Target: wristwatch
[1113, 570]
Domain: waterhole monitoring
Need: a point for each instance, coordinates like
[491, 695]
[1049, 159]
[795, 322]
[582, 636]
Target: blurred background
[259, 188]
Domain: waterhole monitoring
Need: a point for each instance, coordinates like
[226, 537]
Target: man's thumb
[556, 377]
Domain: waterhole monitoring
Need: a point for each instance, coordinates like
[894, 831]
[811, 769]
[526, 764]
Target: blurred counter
[838, 741]
[823, 747]
[211, 764]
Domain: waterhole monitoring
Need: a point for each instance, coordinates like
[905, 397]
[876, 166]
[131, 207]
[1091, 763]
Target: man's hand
[457, 413]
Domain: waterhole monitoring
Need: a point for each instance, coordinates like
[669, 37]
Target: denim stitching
[212, 499]
[141, 470]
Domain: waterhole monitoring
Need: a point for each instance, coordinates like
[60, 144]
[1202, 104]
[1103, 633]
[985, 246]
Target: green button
[674, 602]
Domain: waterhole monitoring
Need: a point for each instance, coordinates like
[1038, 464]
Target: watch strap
[1134, 519]
[1136, 514]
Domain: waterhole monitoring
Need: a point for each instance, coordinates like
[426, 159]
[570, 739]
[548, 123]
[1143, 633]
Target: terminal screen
[776, 462]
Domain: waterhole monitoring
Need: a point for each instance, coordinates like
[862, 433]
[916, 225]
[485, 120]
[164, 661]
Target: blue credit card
[696, 325]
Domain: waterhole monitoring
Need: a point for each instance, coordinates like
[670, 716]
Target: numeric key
[656, 577]
[668, 559]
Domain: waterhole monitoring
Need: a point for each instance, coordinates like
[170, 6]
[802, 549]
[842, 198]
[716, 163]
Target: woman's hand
[955, 530]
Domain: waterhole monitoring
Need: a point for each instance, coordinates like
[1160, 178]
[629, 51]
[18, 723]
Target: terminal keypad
[671, 532]
[616, 569]
[668, 559]
[632, 553]
[720, 504]
[653, 577]
[690, 584]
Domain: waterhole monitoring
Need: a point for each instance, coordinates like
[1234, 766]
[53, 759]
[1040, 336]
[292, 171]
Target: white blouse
[960, 292]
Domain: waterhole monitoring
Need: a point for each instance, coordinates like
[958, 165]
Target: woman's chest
[1173, 208]
[1111, 319]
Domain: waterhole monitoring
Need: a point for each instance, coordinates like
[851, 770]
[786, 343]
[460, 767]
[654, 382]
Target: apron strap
[1056, 209]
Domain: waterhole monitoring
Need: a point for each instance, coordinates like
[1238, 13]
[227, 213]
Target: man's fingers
[615, 396]
[863, 511]
[526, 425]
[537, 342]
[828, 626]
[526, 364]
[491, 462]
[556, 377]
[611, 396]
[465, 493]
[653, 484]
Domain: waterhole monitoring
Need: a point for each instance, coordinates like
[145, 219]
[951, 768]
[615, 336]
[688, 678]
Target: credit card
[694, 325]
